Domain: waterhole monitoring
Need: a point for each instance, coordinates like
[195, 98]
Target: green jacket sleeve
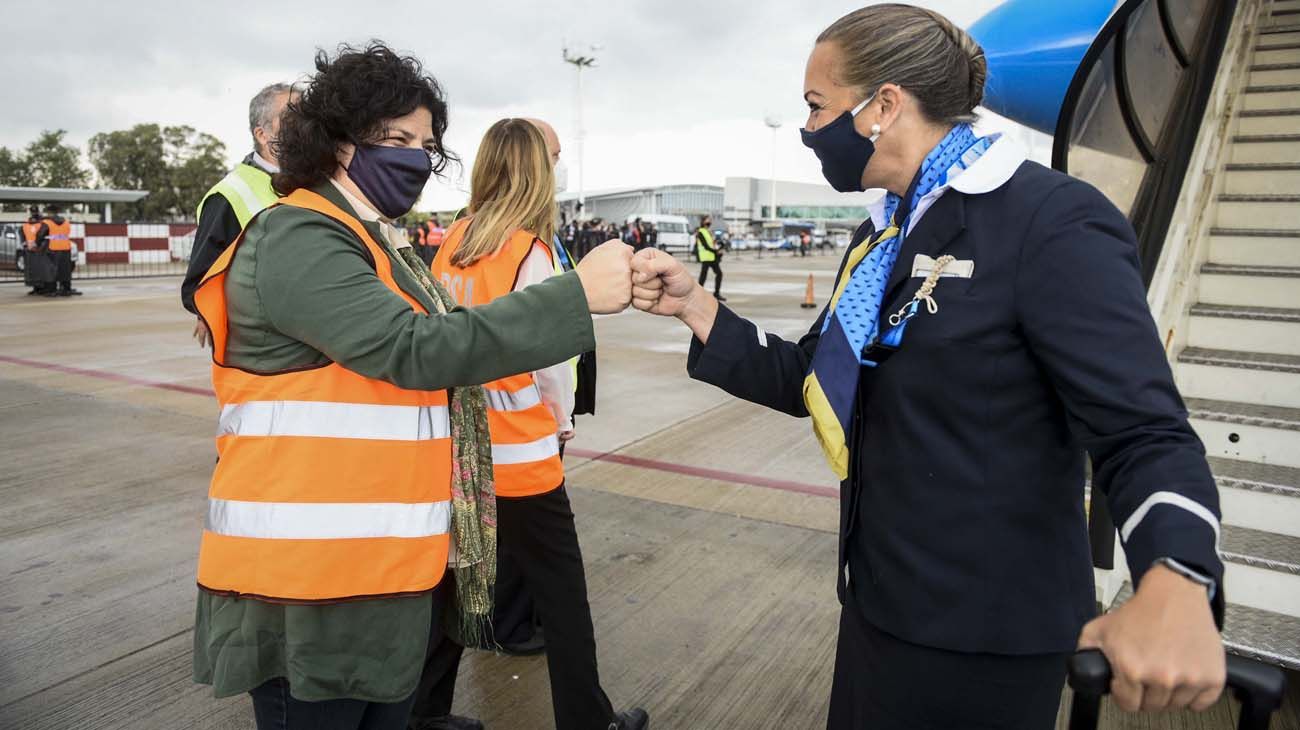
[317, 285]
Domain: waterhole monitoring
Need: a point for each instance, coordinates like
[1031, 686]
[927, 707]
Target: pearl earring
[875, 129]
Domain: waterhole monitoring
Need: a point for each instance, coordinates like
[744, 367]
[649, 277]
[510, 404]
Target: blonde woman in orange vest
[353, 493]
[501, 249]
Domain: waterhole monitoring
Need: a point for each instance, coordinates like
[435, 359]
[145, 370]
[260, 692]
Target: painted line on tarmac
[635, 461]
[703, 472]
[105, 375]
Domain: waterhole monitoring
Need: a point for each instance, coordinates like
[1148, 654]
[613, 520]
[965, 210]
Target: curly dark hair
[348, 100]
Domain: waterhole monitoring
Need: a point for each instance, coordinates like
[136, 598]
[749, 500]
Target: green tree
[14, 169]
[133, 159]
[177, 165]
[197, 161]
[54, 164]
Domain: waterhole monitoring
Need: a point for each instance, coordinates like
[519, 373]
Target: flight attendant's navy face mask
[843, 151]
[390, 177]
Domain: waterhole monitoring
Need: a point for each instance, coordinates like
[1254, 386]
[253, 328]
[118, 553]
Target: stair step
[1279, 28]
[1265, 636]
[1244, 328]
[1259, 314]
[1271, 74]
[1241, 377]
[1250, 286]
[1248, 475]
[1242, 360]
[1260, 549]
[1271, 96]
[1269, 211]
[1265, 148]
[1261, 569]
[1277, 53]
[1277, 66]
[1255, 246]
[1269, 120]
[1247, 431]
[1245, 414]
[1258, 496]
[1240, 270]
[1261, 178]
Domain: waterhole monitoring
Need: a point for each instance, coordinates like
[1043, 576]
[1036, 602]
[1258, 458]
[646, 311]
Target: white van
[675, 232]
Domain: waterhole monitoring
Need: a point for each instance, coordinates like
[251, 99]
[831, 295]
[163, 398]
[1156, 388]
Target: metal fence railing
[110, 250]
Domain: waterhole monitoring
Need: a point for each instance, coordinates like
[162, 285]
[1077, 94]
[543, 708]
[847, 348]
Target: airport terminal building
[743, 206]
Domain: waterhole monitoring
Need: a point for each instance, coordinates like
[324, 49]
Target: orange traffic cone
[808, 302]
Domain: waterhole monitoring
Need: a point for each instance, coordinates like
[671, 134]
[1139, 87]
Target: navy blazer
[962, 521]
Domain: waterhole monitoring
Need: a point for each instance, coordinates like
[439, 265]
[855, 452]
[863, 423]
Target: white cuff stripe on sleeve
[1176, 500]
[762, 335]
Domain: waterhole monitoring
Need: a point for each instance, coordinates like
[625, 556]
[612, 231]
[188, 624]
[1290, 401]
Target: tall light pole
[775, 124]
[580, 60]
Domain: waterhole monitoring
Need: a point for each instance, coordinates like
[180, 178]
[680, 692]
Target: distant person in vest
[434, 234]
[353, 498]
[709, 253]
[988, 334]
[503, 246]
[55, 235]
[232, 202]
[38, 265]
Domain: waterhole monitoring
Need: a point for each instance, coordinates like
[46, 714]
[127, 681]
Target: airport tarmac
[707, 524]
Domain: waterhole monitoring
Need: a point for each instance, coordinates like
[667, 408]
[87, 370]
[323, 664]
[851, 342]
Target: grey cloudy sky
[680, 94]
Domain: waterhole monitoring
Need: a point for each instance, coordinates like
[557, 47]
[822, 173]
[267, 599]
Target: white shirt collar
[261, 162]
[395, 236]
[991, 171]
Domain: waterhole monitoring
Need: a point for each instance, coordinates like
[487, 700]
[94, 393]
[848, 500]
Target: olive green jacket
[301, 291]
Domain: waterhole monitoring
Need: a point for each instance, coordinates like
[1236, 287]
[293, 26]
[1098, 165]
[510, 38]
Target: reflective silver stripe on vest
[251, 202]
[520, 400]
[542, 448]
[327, 521]
[334, 420]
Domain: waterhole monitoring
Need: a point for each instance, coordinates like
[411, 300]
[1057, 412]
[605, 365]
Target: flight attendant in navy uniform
[989, 328]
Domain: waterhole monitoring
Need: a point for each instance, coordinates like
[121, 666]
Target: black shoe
[451, 722]
[50, 294]
[633, 719]
[72, 293]
[719, 297]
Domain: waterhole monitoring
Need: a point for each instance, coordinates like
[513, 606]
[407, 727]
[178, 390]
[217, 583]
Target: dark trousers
[514, 613]
[275, 709]
[63, 269]
[716, 268]
[539, 535]
[882, 682]
[437, 687]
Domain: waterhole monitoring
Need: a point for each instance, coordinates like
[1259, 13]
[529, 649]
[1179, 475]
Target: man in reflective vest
[38, 268]
[710, 255]
[241, 194]
[56, 231]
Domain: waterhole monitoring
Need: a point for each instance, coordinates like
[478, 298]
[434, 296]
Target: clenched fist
[660, 283]
[606, 275]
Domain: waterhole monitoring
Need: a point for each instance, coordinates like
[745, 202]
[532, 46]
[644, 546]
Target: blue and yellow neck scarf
[852, 323]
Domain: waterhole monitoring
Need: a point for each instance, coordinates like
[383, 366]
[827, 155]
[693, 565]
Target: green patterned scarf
[473, 493]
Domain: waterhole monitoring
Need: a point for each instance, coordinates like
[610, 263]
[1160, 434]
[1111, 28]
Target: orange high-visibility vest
[525, 448]
[60, 235]
[436, 234]
[30, 229]
[329, 485]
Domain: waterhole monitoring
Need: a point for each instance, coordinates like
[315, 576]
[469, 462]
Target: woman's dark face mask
[392, 178]
[844, 152]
